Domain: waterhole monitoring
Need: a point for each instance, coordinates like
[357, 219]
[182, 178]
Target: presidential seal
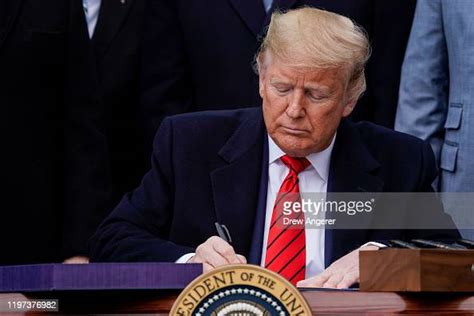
[240, 290]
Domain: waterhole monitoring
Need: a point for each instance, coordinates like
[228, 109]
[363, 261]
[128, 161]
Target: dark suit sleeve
[86, 184]
[165, 79]
[138, 229]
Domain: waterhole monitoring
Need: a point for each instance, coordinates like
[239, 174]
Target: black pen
[223, 232]
[395, 243]
[436, 244]
[466, 243]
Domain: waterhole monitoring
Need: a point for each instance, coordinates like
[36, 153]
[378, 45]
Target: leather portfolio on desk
[97, 276]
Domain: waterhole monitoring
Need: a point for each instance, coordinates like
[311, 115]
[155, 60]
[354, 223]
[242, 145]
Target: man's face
[302, 107]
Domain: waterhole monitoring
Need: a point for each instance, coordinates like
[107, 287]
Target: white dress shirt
[314, 179]
[91, 9]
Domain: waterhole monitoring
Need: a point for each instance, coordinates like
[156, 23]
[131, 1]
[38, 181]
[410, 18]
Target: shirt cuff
[185, 258]
[373, 243]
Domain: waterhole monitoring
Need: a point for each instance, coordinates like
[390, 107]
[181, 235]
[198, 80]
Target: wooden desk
[321, 302]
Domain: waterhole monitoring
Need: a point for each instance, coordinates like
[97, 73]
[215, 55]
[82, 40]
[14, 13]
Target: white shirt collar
[320, 161]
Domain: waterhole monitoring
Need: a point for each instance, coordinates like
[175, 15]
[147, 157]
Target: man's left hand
[341, 274]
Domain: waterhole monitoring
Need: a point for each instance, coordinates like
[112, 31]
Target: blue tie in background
[267, 4]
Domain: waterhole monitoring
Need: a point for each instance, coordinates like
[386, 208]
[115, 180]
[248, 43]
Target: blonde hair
[309, 37]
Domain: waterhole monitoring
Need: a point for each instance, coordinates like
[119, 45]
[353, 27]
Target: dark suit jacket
[198, 55]
[54, 178]
[117, 45]
[213, 166]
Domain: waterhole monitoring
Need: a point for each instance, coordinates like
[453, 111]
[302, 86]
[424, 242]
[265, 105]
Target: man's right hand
[216, 252]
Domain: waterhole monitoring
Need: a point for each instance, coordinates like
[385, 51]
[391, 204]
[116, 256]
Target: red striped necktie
[286, 247]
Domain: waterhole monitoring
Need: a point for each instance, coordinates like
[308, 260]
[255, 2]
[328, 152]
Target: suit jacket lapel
[12, 15]
[112, 15]
[351, 171]
[352, 164]
[252, 13]
[236, 184]
[255, 253]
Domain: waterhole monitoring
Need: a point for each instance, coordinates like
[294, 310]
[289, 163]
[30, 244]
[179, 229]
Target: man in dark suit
[53, 166]
[116, 41]
[199, 57]
[240, 168]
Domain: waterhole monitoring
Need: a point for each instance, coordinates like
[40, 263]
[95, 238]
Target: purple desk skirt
[97, 276]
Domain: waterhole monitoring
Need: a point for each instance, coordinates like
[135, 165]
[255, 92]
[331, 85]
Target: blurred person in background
[437, 94]
[115, 28]
[55, 180]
